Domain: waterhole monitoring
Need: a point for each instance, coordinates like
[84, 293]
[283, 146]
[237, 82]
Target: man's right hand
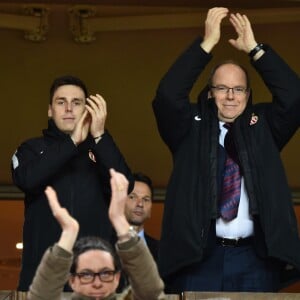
[213, 27]
[81, 129]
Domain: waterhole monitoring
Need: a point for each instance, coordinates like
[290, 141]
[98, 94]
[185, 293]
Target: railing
[14, 295]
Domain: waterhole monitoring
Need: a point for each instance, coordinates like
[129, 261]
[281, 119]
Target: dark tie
[231, 189]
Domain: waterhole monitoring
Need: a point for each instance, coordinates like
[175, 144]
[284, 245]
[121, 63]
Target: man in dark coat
[73, 156]
[138, 209]
[200, 249]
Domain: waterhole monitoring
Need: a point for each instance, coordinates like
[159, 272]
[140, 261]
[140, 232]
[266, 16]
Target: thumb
[233, 43]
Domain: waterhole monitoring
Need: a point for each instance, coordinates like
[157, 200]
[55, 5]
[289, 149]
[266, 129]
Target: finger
[90, 110]
[232, 42]
[241, 21]
[240, 18]
[216, 15]
[246, 22]
[96, 109]
[102, 103]
[52, 199]
[237, 24]
[119, 181]
[97, 100]
[113, 183]
[112, 172]
[82, 118]
[98, 103]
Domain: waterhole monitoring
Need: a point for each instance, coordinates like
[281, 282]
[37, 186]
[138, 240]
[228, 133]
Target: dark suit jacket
[152, 245]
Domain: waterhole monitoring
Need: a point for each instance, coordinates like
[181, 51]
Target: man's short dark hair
[139, 176]
[87, 243]
[67, 80]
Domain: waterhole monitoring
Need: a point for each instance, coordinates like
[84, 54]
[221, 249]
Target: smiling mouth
[230, 106]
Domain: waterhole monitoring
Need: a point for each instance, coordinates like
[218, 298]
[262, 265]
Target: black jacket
[191, 132]
[152, 244]
[80, 176]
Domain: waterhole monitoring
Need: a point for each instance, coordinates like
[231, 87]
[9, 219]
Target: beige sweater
[53, 273]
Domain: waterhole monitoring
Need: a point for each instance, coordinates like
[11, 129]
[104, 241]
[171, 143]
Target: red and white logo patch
[254, 119]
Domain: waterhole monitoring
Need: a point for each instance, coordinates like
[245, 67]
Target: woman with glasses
[92, 266]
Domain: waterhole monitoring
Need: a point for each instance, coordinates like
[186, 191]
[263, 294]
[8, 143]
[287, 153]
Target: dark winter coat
[80, 176]
[191, 131]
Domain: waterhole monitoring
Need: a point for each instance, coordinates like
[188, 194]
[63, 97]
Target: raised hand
[119, 187]
[245, 40]
[213, 27]
[81, 129]
[68, 224]
[97, 109]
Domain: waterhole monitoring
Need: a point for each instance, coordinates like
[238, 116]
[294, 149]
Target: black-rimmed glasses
[89, 277]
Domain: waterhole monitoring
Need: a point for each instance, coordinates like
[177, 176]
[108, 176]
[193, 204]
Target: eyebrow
[144, 196]
[65, 98]
[101, 270]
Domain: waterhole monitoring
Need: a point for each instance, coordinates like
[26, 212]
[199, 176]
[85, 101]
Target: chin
[136, 223]
[67, 130]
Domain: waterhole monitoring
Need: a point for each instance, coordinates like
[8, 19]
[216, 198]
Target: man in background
[138, 209]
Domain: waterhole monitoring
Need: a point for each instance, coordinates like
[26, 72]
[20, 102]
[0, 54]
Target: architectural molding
[85, 23]
[79, 26]
[34, 22]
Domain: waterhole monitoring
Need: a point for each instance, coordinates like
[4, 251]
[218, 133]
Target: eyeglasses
[223, 89]
[89, 277]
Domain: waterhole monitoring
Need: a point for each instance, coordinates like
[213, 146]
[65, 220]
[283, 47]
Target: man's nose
[140, 202]
[230, 94]
[68, 106]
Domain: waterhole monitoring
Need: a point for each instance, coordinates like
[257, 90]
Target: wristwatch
[257, 48]
[131, 233]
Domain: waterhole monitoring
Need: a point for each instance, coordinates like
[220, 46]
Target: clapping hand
[68, 224]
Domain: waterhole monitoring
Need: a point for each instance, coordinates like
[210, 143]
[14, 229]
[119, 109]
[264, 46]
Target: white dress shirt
[242, 226]
[141, 234]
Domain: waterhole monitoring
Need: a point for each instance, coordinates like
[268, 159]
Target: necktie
[231, 190]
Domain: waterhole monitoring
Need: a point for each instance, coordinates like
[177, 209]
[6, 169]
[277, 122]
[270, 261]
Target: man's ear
[49, 111]
[209, 95]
